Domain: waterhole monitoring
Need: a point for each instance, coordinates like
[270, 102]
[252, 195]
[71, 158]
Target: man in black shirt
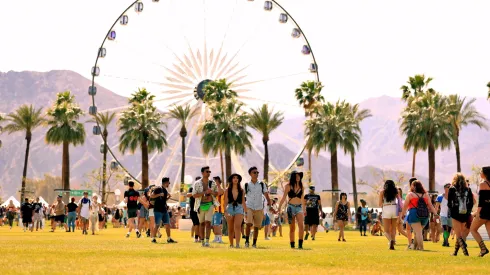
[165, 215]
[193, 214]
[131, 198]
[38, 214]
[26, 212]
[313, 212]
[71, 209]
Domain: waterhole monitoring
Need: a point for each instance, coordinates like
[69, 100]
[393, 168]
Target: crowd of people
[240, 211]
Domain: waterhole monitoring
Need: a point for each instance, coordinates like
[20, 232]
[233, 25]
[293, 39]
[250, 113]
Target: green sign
[79, 193]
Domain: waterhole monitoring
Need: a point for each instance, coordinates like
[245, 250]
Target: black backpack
[261, 185]
[422, 210]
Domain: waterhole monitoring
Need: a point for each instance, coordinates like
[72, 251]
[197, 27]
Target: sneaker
[306, 236]
[214, 241]
[237, 246]
[127, 235]
[267, 239]
[154, 241]
[312, 238]
[196, 240]
[247, 245]
[206, 244]
[254, 246]
[159, 235]
[148, 233]
[220, 241]
[138, 234]
[170, 240]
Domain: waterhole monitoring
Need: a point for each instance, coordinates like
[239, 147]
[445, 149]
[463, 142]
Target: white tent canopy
[43, 202]
[121, 205]
[7, 202]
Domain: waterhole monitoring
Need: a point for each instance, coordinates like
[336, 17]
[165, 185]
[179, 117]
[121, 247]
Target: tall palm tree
[217, 91]
[416, 85]
[427, 118]
[333, 127]
[62, 118]
[309, 97]
[1, 128]
[265, 121]
[24, 119]
[226, 130]
[463, 114]
[182, 114]
[104, 120]
[141, 125]
[350, 148]
[488, 86]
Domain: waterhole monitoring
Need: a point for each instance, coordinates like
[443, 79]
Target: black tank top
[292, 194]
[232, 200]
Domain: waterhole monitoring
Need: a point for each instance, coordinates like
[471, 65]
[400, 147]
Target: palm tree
[309, 97]
[65, 129]
[488, 86]
[141, 125]
[104, 120]
[1, 129]
[417, 85]
[350, 148]
[217, 91]
[24, 119]
[265, 121]
[333, 127]
[182, 114]
[226, 130]
[427, 118]
[463, 114]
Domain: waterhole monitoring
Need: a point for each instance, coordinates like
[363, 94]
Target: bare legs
[234, 229]
[341, 225]
[419, 238]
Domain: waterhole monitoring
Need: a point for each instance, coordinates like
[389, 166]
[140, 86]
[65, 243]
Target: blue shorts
[217, 219]
[144, 214]
[158, 217]
[266, 221]
[293, 210]
[238, 210]
[413, 218]
[447, 221]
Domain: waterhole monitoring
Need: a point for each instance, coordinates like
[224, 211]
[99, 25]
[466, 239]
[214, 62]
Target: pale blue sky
[363, 48]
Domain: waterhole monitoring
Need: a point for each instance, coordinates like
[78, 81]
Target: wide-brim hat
[299, 173]
[235, 174]
[486, 171]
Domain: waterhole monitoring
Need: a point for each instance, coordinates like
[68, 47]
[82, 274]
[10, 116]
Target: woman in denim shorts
[235, 208]
[296, 208]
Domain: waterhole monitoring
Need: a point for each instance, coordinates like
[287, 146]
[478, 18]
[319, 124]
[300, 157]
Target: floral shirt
[198, 188]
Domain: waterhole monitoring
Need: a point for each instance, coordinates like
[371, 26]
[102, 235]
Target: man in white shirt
[255, 190]
[441, 205]
[84, 207]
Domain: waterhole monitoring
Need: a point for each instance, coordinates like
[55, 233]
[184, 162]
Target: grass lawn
[110, 252]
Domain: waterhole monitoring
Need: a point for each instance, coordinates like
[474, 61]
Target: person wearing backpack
[482, 216]
[418, 205]
[460, 203]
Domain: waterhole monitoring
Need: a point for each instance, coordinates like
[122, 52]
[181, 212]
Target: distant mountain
[381, 147]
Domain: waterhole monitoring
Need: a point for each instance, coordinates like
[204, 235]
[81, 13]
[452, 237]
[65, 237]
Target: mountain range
[381, 150]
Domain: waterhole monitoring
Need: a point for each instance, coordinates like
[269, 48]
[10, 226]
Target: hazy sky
[363, 48]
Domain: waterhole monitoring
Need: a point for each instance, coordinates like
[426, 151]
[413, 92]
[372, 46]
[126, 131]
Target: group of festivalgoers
[240, 211]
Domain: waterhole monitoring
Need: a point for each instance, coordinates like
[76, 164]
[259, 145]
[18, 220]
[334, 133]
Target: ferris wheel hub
[199, 90]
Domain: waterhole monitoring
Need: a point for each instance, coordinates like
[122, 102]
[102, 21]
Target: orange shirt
[221, 208]
[414, 201]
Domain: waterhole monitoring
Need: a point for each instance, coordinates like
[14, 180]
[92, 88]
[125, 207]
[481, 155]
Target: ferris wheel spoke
[261, 155]
[267, 101]
[231, 76]
[267, 79]
[181, 77]
[235, 160]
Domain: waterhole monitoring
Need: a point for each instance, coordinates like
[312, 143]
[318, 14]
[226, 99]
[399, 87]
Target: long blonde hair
[459, 182]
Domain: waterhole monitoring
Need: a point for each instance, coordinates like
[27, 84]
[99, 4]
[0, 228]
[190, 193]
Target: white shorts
[390, 212]
[151, 213]
[37, 217]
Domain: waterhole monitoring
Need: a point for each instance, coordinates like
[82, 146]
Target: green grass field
[111, 252]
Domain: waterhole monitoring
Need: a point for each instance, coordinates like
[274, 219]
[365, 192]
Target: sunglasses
[209, 172]
[256, 173]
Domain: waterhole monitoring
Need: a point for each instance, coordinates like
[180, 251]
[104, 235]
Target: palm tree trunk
[266, 160]
[144, 164]
[309, 165]
[432, 167]
[182, 170]
[413, 162]
[65, 170]
[458, 154]
[228, 163]
[104, 171]
[222, 168]
[24, 173]
[354, 183]
[335, 177]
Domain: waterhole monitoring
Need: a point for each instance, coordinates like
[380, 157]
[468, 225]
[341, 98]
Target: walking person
[131, 198]
[313, 211]
[460, 203]
[84, 208]
[59, 214]
[442, 207]
[218, 215]
[296, 208]
[11, 213]
[37, 218]
[342, 214]
[234, 199]
[166, 217]
[94, 215]
[399, 224]
[71, 209]
[193, 215]
[363, 219]
[255, 190]
[418, 206]
[434, 222]
[26, 213]
[388, 201]
[205, 191]
[482, 216]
